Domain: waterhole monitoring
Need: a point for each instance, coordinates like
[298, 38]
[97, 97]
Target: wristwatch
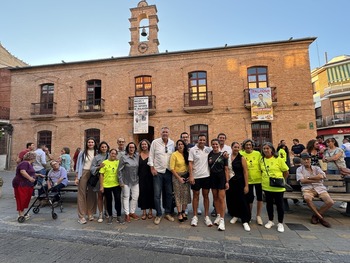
[308, 177]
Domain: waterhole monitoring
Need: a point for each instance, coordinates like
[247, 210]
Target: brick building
[198, 91]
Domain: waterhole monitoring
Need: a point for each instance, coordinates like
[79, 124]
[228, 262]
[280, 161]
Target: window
[46, 98]
[197, 129]
[198, 88]
[143, 86]
[341, 106]
[45, 137]
[3, 142]
[93, 92]
[94, 133]
[261, 133]
[257, 77]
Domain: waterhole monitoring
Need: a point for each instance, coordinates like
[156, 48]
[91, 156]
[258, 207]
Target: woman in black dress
[236, 200]
[146, 200]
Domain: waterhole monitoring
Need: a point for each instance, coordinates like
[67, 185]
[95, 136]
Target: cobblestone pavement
[173, 240]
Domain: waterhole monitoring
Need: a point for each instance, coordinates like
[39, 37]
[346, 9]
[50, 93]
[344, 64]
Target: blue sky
[45, 32]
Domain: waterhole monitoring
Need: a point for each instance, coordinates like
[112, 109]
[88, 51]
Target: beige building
[331, 84]
[198, 91]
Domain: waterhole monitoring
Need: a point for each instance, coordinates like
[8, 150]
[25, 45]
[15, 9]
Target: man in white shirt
[159, 159]
[199, 178]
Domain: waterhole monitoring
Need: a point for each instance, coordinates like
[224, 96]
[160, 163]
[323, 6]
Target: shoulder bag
[277, 182]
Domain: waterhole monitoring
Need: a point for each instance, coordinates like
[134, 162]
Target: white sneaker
[269, 224]
[194, 221]
[343, 205]
[199, 212]
[207, 221]
[100, 218]
[259, 220]
[186, 211]
[233, 220]
[246, 227]
[217, 220]
[221, 226]
[280, 227]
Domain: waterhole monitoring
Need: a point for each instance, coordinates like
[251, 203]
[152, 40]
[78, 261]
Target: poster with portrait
[261, 104]
[140, 115]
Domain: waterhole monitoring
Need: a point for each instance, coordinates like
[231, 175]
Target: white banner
[140, 115]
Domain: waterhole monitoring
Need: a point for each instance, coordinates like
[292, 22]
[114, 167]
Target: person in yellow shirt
[109, 185]
[253, 158]
[181, 186]
[272, 166]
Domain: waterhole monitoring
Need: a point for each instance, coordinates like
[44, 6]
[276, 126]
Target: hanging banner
[261, 104]
[140, 115]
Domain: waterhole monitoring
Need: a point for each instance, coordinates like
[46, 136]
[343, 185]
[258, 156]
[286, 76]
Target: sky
[47, 32]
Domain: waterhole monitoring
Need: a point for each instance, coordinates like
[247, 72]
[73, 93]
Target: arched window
[94, 133]
[45, 137]
[197, 129]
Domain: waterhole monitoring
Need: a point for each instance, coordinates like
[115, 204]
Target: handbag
[343, 170]
[94, 178]
[278, 182]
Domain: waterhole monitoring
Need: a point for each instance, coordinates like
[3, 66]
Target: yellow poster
[261, 104]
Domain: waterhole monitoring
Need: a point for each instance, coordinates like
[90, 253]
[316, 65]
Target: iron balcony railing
[198, 99]
[43, 108]
[96, 105]
[333, 120]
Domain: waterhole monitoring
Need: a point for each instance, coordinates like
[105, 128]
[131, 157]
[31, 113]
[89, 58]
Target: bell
[143, 33]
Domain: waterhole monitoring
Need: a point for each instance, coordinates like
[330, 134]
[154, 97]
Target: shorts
[312, 192]
[201, 183]
[218, 181]
[258, 192]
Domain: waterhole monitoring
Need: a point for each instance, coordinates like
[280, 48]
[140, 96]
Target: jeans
[332, 171]
[163, 181]
[40, 180]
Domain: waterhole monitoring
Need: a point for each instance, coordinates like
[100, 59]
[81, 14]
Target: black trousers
[115, 191]
[271, 199]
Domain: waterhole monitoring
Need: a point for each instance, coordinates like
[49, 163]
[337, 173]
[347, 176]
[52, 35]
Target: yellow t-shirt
[275, 167]
[253, 163]
[177, 162]
[282, 154]
[110, 173]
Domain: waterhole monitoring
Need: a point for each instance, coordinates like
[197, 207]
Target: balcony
[91, 108]
[201, 102]
[4, 113]
[151, 104]
[337, 91]
[43, 111]
[247, 103]
[337, 120]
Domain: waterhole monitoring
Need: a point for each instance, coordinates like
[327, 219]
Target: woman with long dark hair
[146, 200]
[179, 169]
[86, 199]
[312, 148]
[97, 164]
[272, 166]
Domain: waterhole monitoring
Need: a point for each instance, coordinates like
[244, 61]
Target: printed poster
[261, 104]
[140, 115]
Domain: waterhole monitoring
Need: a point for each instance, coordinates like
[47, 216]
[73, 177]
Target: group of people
[160, 176]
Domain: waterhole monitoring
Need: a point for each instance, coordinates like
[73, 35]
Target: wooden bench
[336, 188]
[71, 187]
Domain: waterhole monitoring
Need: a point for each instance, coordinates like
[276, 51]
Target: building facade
[331, 84]
[198, 91]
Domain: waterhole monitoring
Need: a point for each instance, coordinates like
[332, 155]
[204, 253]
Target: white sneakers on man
[269, 224]
[280, 227]
[343, 205]
[208, 222]
[194, 221]
[246, 227]
[217, 220]
[221, 226]
[233, 220]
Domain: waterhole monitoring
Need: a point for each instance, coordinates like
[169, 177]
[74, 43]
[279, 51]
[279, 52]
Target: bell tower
[143, 29]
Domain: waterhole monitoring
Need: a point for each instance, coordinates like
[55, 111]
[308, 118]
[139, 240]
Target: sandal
[184, 216]
[150, 216]
[179, 214]
[144, 216]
